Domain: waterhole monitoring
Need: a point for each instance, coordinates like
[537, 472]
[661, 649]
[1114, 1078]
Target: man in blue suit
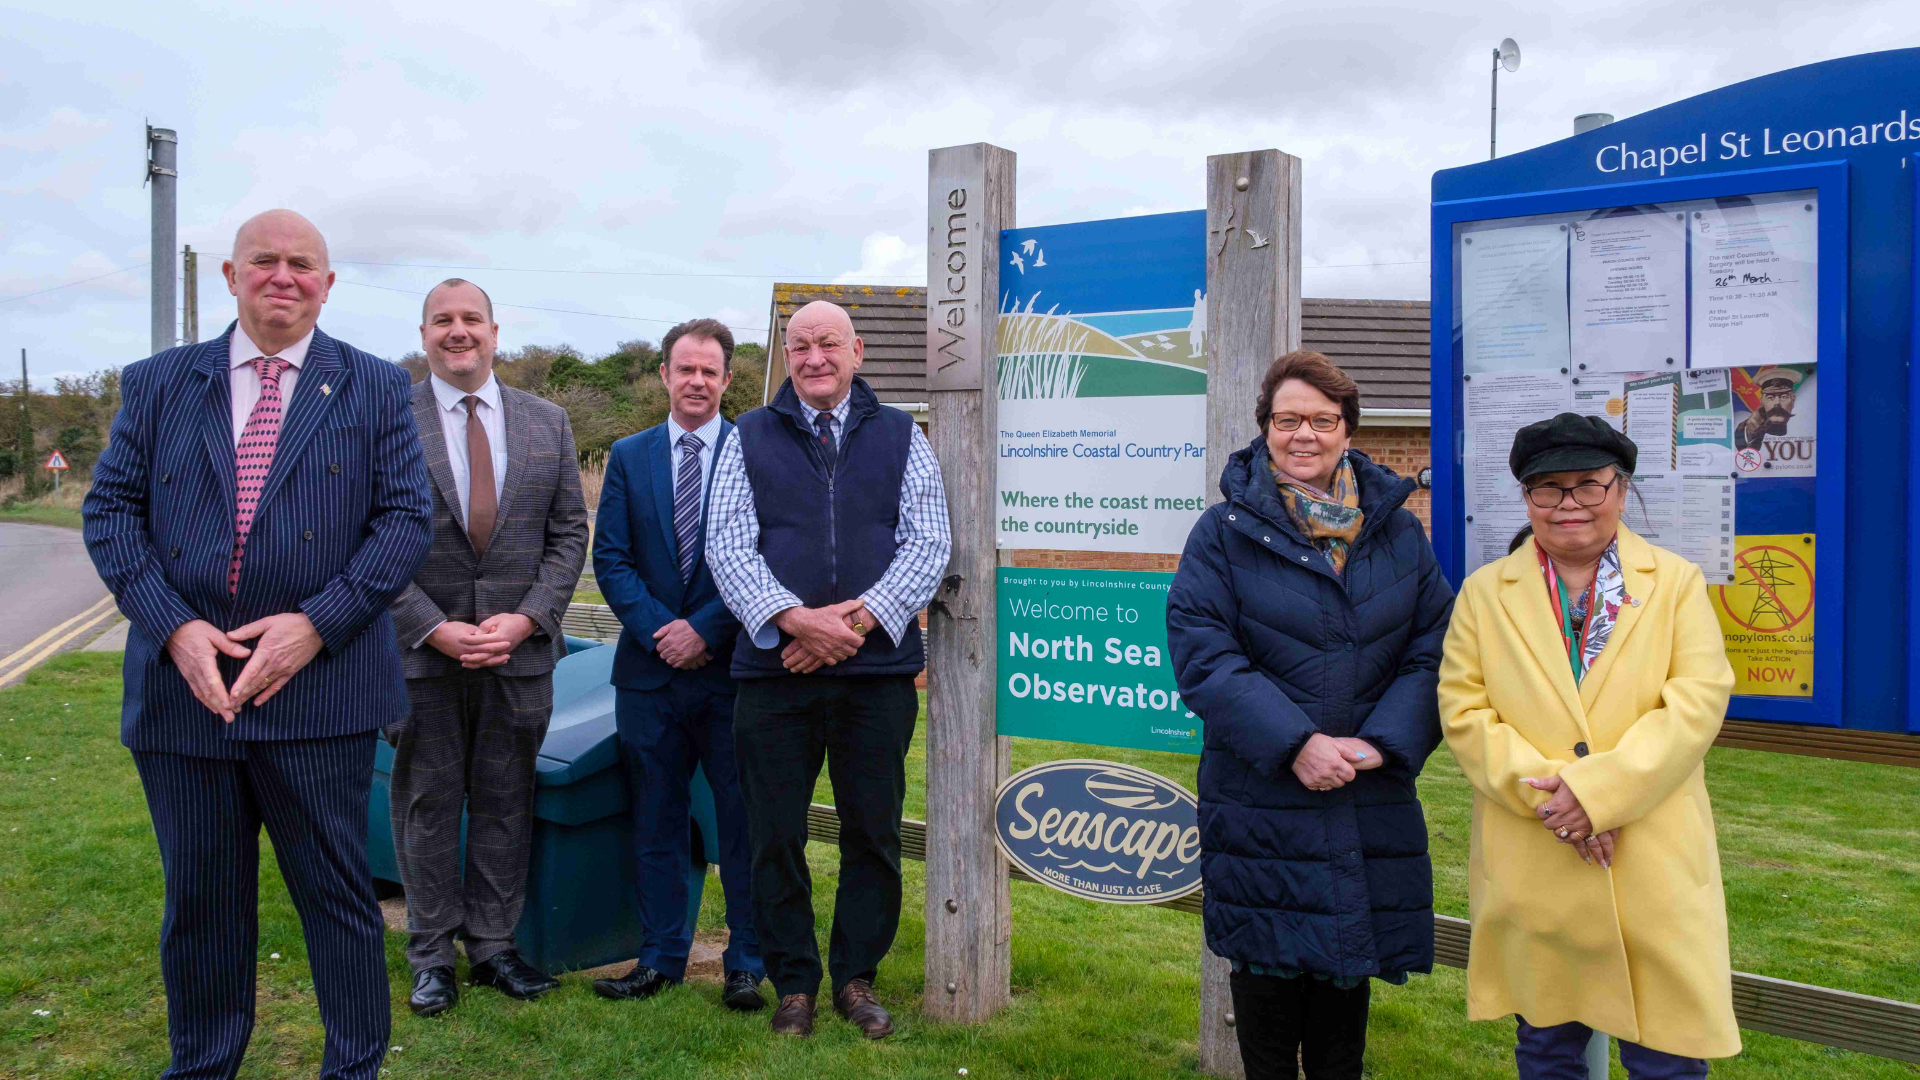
[261, 500]
[674, 696]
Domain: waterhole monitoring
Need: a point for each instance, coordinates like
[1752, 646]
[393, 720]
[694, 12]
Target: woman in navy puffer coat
[1305, 625]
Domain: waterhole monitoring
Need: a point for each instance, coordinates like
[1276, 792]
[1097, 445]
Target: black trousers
[861, 726]
[1284, 1024]
[311, 794]
[468, 745]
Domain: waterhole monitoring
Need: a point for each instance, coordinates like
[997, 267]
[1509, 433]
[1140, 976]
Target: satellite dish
[1509, 54]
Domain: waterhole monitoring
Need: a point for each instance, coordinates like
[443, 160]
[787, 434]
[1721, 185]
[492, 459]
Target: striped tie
[686, 502]
[253, 457]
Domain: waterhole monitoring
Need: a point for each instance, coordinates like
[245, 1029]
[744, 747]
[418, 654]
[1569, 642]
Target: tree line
[606, 397]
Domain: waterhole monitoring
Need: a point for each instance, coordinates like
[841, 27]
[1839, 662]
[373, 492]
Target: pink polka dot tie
[253, 457]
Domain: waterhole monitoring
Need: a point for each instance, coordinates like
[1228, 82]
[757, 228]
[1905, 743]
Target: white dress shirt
[453, 425]
[243, 379]
[709, 434]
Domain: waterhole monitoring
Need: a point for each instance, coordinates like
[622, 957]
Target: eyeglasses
[1585, 493]
[1322, 424]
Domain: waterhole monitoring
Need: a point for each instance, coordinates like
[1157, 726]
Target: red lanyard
[1575, 643]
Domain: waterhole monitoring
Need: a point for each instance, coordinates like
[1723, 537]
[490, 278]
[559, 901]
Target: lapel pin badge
[326, 389]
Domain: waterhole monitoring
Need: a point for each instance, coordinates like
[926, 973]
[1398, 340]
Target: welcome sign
[1101, 830]
[1083, 658]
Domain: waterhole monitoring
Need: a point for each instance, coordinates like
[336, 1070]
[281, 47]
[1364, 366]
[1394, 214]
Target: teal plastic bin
[580, 909]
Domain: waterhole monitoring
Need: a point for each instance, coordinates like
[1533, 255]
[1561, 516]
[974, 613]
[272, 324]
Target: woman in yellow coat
[1584, 679]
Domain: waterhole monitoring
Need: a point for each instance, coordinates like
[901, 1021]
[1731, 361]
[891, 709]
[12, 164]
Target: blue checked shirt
[755, 596]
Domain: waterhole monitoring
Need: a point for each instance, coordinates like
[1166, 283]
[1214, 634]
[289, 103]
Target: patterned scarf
[1589, 617]
[1330, 519]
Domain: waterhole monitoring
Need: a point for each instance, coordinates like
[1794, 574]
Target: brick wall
[1405, 450]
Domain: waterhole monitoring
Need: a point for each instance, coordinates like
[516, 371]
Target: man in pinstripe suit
[219, 518]
[480, 632]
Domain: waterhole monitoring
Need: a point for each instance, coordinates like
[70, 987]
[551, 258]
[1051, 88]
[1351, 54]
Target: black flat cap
[1570, 443]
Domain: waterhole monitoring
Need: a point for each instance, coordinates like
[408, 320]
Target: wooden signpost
[970, 192]
[1253, 316]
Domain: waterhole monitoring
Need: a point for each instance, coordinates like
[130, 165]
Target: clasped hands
[1567, 820]
[1325, 762]
[286, 644]
[489, 644]
[823, 636]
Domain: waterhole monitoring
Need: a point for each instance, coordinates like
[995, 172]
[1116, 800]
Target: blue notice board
[1730, 280]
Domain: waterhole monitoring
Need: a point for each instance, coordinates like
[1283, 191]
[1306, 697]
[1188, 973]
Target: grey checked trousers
[468, 744]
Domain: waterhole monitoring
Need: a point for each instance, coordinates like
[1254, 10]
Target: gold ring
[859, 628]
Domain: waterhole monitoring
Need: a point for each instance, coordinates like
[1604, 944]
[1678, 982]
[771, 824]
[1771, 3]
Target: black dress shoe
[743, 992]
[434, 991]
[640, 983]
[512, 976]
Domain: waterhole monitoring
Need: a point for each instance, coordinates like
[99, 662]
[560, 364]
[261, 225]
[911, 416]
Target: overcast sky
[706, 150]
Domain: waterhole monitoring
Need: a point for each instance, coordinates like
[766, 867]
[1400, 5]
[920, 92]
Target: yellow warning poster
[1766, 615]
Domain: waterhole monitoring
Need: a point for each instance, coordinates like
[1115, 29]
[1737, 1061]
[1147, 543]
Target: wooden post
[1253, 317]
[970, 198]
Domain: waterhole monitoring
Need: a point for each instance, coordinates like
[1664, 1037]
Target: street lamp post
[1505, 55]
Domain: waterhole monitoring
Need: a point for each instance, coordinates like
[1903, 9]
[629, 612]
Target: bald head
[279, 275]
[823, 352]
[278, 223]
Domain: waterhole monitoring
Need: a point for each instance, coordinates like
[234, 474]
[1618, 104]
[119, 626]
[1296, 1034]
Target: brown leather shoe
[856, 1002]
[794, 1016]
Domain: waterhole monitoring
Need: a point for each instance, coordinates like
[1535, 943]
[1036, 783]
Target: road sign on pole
[58, 463]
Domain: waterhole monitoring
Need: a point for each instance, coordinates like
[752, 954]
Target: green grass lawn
[36, 514]
[1823, 886]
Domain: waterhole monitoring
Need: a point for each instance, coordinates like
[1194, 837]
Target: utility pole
[162, 169]
[190, 297]
[27, 464]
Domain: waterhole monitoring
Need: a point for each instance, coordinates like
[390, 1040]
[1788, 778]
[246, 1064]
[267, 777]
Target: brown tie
[482, 502]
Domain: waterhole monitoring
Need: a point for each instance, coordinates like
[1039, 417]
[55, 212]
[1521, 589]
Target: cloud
[886, 259]
[769, 141]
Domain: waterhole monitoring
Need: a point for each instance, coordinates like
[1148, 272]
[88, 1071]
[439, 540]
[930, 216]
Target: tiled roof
[1383, 344]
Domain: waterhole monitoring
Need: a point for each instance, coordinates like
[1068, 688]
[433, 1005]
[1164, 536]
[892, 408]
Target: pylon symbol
[1767, 573]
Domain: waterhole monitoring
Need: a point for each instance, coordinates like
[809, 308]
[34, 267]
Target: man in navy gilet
[827, 535]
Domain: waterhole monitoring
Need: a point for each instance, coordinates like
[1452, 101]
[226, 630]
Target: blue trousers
[311, 794]
[664, 733]
[1559, 1053]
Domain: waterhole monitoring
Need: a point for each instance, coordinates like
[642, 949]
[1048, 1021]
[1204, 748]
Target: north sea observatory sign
[1101, 830]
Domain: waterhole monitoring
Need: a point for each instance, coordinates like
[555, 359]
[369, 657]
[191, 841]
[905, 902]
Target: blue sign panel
[1101, 831]
[1729, 280]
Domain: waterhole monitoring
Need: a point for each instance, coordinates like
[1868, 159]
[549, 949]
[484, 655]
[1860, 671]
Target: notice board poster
[1083, 658]
[1690, 327]
[1102, 374]
[1766, 615]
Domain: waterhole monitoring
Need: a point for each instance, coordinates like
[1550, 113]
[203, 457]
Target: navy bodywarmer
[827, 529]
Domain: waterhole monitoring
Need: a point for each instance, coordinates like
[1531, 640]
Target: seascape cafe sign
[1100, 830]
[1746, 146]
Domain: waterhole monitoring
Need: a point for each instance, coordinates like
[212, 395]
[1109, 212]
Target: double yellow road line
[21, 660]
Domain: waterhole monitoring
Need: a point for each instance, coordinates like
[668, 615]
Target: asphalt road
[45, 580]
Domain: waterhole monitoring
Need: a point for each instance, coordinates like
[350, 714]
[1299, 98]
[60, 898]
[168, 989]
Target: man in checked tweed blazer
[479, 630]
[217, 519]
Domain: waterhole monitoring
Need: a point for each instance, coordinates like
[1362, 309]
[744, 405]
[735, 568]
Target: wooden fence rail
[1870, 1025]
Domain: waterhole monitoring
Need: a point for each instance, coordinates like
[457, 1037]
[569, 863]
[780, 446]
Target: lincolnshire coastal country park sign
[1101, 830]
[1102, 374]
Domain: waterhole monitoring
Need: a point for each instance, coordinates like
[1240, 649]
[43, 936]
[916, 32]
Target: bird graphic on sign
[1028, 245]
[1259, 241]
[1041, 260]
[1018, 263]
